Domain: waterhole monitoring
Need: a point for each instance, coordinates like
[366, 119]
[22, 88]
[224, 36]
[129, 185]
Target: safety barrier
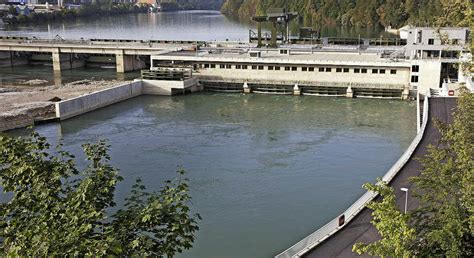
[336, 224]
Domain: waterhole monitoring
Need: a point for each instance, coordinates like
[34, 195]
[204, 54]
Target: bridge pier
[296, 90]
[349, 92]
[406, 92]
[247, 89]
[127, 63]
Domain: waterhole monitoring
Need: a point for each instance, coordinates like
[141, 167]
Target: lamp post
[406, 197]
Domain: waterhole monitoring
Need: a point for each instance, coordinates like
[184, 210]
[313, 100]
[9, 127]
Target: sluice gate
[310, 90]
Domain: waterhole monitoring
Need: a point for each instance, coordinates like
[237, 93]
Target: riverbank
[18, 16]
[23, 105]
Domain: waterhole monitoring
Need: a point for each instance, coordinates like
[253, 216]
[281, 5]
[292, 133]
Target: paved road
[359, 229]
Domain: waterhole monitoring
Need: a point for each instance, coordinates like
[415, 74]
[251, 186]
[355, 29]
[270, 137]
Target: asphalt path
[360, 229]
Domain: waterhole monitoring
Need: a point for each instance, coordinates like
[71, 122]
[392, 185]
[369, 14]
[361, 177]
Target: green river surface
[265, 170]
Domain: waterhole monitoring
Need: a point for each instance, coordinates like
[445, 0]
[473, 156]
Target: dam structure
[329, 68]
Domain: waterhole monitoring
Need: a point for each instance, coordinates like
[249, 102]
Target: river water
[265, 170]
[180, 25]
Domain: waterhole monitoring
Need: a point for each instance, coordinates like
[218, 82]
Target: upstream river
[265, 170]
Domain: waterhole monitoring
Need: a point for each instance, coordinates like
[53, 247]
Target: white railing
[332, 227]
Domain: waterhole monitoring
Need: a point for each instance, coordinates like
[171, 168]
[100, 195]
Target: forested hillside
[169, 5]
[395, 13]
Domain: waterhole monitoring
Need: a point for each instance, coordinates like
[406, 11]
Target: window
[364, 70]
[382, 71]
[356, 70]
[393, 71]
[430, 41]
[287, 68]
[294, 68]
[321, 69]
[260, 67]
[277, 68]
[375, 71]
[414, 78]
[254, 67]
[238, 67]
[228, 66]
[244, 67]
[328, 69]
[311, 69]
[270, 68]
[338, 70]
[304, 69]
[346, 70]
[222, 66]
[206, 65]
[415, 68]
[213, 65]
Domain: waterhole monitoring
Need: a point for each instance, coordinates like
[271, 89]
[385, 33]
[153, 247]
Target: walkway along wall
[334, 225]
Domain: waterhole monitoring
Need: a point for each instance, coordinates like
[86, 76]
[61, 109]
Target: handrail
[309, 242]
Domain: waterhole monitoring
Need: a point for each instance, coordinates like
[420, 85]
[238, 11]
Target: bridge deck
[360, 229]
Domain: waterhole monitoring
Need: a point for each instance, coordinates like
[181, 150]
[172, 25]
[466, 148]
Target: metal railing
[167, 74]
[333, 226]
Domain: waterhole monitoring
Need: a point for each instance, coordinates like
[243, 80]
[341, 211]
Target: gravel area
[21, 105]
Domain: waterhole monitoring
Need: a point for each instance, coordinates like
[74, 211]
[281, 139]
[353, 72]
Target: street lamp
[406, 197]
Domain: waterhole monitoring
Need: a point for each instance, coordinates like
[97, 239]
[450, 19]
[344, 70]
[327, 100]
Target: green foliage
[396, 234]
[444, 219]
[56, 209]
[443, 223]
[395, 13]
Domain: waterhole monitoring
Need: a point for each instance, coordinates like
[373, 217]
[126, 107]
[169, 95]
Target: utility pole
[287, 21]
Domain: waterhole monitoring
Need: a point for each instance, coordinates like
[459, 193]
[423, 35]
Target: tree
[443, 223]
[392, 225]
[56, 209]
[444, 218]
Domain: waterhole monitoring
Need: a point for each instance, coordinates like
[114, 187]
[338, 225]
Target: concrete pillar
[406, 92]
[296, 90]
[126, 63]
[58, 81]
[349, 92]
[56, 60]
[247, 89]
[120, 61]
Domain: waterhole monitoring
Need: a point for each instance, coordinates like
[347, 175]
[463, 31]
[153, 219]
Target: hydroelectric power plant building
[425, 62]
[421, 60]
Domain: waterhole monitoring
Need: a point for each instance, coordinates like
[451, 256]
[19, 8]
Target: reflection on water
[265, 170]
[181, 25]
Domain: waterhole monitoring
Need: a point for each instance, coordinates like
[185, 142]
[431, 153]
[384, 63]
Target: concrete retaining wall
[83, 104]
[156, 87]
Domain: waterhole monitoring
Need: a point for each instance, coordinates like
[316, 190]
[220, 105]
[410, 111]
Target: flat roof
[274, 57]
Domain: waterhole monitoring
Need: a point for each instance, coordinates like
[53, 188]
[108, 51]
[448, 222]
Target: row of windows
[295, 68]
